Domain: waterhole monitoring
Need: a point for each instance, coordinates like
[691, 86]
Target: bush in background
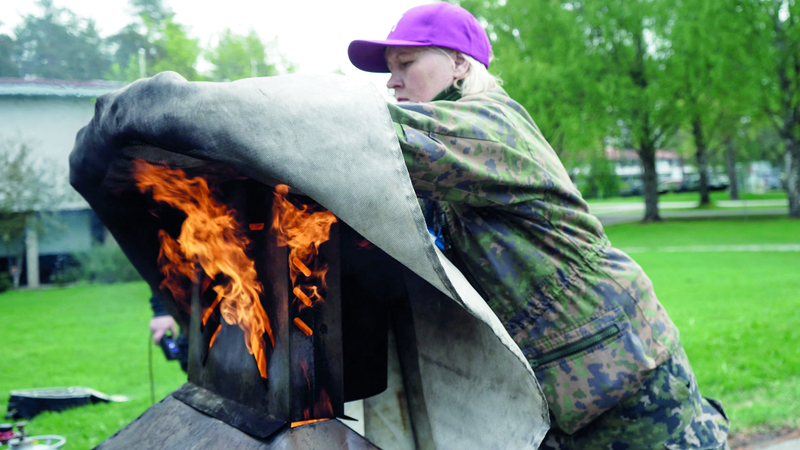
[102, 264]
[107, 264]
[5, 282]
[600, 181]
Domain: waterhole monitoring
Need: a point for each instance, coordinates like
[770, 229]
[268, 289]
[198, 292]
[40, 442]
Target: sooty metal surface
[304, 372]
[172, 425]
[308, 377]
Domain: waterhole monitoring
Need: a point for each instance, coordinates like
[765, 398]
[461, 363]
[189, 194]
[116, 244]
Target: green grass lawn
[94, 336]
[693, 196]
[738, 312]
[723, 231]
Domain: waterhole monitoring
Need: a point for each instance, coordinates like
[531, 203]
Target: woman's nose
[394, 82]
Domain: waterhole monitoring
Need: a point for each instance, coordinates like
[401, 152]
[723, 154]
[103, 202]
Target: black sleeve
[158, 308]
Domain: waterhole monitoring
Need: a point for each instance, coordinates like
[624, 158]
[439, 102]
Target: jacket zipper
[575, 347]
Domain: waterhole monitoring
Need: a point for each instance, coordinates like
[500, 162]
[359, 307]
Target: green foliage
[773, 55]
[7, 66]
[541, 56]
[59, 44]
[589, 71]
[601, 181]
[126, 44]
[5, 282]
[166, 43]
[175, 50]
[27, 186]
[239, 56]
[102, 264]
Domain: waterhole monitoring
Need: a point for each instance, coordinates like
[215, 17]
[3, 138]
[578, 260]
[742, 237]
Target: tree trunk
[730, 166]
[702, 163]
[32, 255]
[647, 153]
[792, 156]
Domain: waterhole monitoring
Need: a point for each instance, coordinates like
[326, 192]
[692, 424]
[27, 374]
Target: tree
[541, 55]
[7, 66]
[125, 48]
[59, 44]
[633, 40]
[715, 86]
[167, 44]
[774, 51]
[239, 56]
[28, 189]
[591, 70]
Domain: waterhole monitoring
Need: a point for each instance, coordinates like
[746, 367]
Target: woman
[606, 353]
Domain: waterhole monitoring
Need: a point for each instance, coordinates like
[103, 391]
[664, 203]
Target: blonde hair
[477, 80]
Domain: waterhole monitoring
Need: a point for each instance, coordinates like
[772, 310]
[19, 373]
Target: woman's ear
[462, 66]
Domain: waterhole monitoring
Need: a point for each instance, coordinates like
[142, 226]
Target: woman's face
[419, 74]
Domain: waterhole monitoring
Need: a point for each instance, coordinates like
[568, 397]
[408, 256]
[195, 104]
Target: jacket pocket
[574, 348]
[584, 377]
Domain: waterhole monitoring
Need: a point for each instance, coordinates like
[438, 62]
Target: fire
[214, 337]
[212, 240]
[322, 409]
[303, 231]
[303, 327]
[306, 422]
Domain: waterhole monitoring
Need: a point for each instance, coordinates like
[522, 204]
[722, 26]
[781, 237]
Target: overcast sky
[312, 33]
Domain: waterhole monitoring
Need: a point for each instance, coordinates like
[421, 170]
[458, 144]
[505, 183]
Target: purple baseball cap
[437, 24]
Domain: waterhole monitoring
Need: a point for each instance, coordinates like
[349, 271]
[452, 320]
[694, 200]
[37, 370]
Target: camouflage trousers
[668, 412]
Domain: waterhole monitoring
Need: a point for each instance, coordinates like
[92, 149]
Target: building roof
[56, 88]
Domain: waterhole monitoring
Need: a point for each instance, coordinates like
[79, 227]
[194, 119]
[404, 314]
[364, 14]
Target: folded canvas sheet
[331, 138]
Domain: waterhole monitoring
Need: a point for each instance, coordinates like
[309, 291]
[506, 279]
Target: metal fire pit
[225, 388]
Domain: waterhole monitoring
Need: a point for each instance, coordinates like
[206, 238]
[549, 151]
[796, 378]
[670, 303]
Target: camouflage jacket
[583, 313]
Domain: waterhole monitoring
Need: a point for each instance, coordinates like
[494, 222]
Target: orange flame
[303, 232]
[212, 239]
[303, 327]
[322, 409]
[306, 422]
[214, 337]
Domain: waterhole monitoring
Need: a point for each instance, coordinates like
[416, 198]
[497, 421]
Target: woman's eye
[405, 64]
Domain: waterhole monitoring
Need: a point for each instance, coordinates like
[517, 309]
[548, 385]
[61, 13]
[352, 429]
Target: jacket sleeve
[469, 152]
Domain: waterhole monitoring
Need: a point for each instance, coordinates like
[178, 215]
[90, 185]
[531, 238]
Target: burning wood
[303, 327]
[211, 238]
[306, 422]
[210, 309]
[303, 231]
[301, 267]
[219, 327]
[302, 296]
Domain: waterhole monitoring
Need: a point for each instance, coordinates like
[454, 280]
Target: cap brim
[369, 56]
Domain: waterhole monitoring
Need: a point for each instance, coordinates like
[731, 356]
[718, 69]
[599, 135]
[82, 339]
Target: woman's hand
[159, 325]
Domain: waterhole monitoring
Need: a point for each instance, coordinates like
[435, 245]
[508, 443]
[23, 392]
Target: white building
[47, 114]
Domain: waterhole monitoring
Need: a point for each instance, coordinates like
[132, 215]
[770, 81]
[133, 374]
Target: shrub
[66, 270]
[106, 264]
[600, 181]
[5, 282]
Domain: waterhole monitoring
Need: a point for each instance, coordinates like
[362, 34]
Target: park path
[716, 248]
[626, 215]
[609, 208]
[793, 444]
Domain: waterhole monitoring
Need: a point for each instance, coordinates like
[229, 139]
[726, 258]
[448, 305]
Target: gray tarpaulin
[332, 138]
